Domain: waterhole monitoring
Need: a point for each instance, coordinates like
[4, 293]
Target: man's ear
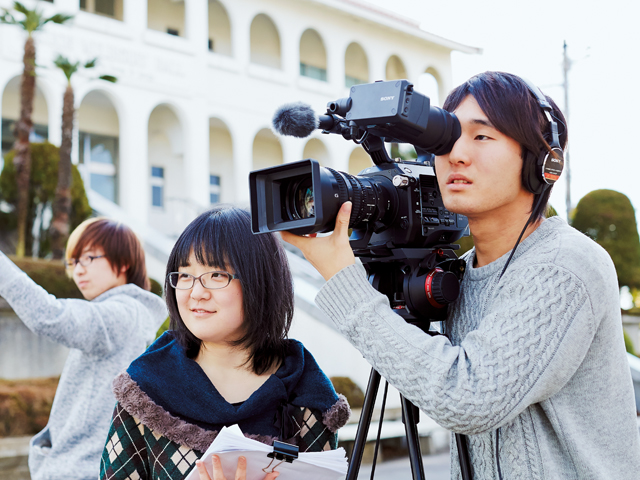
[124, 269]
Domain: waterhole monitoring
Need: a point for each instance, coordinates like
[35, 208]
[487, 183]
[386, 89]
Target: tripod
[410, 419]
[401, 277]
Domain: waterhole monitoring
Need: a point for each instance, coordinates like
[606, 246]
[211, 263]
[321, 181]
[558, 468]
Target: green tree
[33, 21]
[60, 228]
[608, 217]
[41, 191]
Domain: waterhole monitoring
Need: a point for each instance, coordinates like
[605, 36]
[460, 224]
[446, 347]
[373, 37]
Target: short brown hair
[121, 246]
[514, 111]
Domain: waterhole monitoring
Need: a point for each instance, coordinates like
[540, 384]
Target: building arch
[358, 161]
[356, 65]
[167, 16]
[395, 69]
[219, 29]
[430, 84]
[98, 126]
[265, 42]
[170, 208]
[221, 165]
[11, 113]
[313, 55]
[316, 149]
[267, 150]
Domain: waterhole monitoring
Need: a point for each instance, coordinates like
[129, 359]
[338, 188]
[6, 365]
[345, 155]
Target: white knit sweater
[104, 336]
[539, 355]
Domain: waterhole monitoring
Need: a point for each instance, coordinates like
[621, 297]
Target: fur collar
[172, 396]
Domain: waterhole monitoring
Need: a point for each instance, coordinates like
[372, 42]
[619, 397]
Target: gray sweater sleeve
[522, 352]
[93, 327]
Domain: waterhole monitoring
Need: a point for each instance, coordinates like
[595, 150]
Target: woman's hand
[328, 254]
[218, 474]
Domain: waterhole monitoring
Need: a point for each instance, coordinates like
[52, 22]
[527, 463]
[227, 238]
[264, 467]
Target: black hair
[222, 237]
[514, 111]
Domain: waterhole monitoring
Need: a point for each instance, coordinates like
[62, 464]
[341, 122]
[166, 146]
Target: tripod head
[419, 282]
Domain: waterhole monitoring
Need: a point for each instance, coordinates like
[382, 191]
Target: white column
[134, 170]
[197, 24]
[242, 164]
[135, 16]
[54, 107]
[196, 157]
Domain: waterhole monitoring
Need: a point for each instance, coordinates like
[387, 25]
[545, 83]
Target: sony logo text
[382, 99]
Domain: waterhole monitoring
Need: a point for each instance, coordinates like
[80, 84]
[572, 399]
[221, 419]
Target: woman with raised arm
[105, 332]
[225, 361]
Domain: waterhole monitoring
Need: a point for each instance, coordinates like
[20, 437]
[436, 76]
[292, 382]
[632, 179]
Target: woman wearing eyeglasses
[225, 361]
[104, 332]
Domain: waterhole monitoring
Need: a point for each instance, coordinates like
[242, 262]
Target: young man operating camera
[533, 368]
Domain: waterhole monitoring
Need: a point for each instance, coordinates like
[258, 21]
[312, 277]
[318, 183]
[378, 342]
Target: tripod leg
[363, 425]
[410, 418]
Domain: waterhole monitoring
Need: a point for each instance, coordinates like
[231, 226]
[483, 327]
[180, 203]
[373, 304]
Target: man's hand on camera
[328, 254]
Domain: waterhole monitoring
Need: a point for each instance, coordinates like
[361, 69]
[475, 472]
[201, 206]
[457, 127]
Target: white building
[198, 83]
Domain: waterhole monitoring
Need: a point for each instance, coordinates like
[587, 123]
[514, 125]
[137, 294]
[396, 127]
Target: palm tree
[33, 20]
[59, 229]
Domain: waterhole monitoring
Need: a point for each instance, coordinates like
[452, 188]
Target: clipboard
[230, 444]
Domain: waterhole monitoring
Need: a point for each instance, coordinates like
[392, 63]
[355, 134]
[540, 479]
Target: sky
[526, 38]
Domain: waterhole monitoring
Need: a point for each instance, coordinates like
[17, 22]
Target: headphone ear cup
[532, 172]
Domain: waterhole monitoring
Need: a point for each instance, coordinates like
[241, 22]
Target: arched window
[265, 42]
[107, 8]
[315, 149]
[220, 162]
[219, 29]
[166, 16]
[99, 144]
[11, 114]
[313, 56]
[171, 209]
[358, 161]
[267, 151]
[395, 69]
[356, 66]
[429, 85]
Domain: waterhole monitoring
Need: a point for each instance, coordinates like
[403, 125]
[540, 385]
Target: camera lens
[304, 203]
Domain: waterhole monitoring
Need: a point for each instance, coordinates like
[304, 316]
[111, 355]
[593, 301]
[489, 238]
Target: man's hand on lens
[218, 474]
[328, 254]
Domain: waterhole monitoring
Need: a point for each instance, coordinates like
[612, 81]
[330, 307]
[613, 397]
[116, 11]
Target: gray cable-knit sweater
[104, 336]
[539, 355]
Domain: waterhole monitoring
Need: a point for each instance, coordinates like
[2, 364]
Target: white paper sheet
[231, 444]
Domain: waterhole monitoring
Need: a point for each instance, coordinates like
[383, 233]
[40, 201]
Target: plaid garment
[134, 452]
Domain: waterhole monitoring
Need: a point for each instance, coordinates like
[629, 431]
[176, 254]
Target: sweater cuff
[340, 297]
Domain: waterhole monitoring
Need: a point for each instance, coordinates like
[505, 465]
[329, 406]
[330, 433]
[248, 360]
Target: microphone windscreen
[295, 119]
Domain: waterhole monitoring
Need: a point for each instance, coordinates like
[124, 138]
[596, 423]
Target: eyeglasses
[210, 280]
[84, 260]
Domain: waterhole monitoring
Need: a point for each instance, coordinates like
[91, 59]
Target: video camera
[401, 229]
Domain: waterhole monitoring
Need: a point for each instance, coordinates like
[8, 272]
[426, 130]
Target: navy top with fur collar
[180, 387]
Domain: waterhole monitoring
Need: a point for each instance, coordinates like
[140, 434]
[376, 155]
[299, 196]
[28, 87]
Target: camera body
[401, 230]
[395, 205]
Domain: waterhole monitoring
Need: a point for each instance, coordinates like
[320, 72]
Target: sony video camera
[401, 229]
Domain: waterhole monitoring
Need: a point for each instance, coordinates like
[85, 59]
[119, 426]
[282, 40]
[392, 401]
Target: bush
[608, 218]
[349, 389]
[25, 405]
[45, 158]
[50, 275]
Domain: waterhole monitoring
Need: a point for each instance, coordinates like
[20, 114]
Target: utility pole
[566, 66]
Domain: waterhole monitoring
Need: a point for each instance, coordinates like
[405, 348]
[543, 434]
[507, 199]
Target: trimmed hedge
[349, 389]
[25, 405]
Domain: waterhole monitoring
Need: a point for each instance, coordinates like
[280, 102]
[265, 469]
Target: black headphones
[541, 170]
